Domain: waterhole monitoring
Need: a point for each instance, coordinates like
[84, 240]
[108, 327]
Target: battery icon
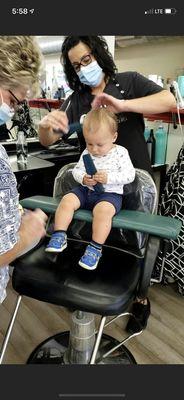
[170, 11]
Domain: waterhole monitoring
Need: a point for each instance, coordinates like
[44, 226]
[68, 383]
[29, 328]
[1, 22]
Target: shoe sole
[52, 250]
[86, 267]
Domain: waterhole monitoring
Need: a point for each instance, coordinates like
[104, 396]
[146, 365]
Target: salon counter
[33, 163]
[167, 117]
[37, 177]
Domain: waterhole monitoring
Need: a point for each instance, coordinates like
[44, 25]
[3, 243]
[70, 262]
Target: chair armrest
[156, 225]
[47, 204]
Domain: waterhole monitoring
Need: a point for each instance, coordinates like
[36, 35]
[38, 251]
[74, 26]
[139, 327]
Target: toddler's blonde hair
[95, 118]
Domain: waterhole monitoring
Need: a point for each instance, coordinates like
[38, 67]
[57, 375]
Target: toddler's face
[99, 142]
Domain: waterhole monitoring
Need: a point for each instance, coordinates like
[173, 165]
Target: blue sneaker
[91, 258]
[57, 243]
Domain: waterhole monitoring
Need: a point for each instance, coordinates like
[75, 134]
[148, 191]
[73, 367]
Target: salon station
[64, 315]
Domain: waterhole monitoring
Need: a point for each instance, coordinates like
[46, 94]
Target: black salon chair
[123, 273]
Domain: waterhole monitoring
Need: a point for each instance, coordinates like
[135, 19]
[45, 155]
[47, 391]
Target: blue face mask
[6, 112]
[91, 74]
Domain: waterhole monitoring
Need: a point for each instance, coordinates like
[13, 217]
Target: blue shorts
[89, 198]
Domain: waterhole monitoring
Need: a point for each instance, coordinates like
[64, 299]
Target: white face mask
[6, 112]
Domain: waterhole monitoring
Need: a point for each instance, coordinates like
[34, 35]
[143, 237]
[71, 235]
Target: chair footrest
[157, 225]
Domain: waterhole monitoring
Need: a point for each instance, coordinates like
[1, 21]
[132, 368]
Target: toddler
[114, 170]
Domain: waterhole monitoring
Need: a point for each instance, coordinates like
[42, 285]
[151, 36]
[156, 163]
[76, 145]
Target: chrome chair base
[54, 351]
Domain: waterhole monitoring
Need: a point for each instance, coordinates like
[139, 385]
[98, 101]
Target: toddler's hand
[100, 176]
[88, 180]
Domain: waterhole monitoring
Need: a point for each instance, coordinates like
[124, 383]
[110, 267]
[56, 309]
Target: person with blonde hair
[20, 66]
[114, 170]
[20, 62]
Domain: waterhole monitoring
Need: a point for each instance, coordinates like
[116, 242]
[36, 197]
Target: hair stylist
[90, 71]
[20, 61]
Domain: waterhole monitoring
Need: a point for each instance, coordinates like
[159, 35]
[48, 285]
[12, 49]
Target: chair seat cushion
[58, 279]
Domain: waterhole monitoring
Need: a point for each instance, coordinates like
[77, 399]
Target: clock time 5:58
[23, 11]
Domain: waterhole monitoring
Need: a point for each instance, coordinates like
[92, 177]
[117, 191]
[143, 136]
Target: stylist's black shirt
[131, 125]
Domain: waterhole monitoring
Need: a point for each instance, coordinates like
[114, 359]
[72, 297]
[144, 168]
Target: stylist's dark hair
[99, 49]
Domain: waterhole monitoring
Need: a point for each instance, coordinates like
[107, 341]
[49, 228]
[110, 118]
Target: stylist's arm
[32, 229]
[155, 103]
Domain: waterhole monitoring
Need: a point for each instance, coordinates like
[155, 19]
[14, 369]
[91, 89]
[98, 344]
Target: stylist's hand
[105, 100]
[32, 229]
[88, 180]
[55, 120]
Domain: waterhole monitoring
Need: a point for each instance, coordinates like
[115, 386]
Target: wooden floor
[161, 343]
